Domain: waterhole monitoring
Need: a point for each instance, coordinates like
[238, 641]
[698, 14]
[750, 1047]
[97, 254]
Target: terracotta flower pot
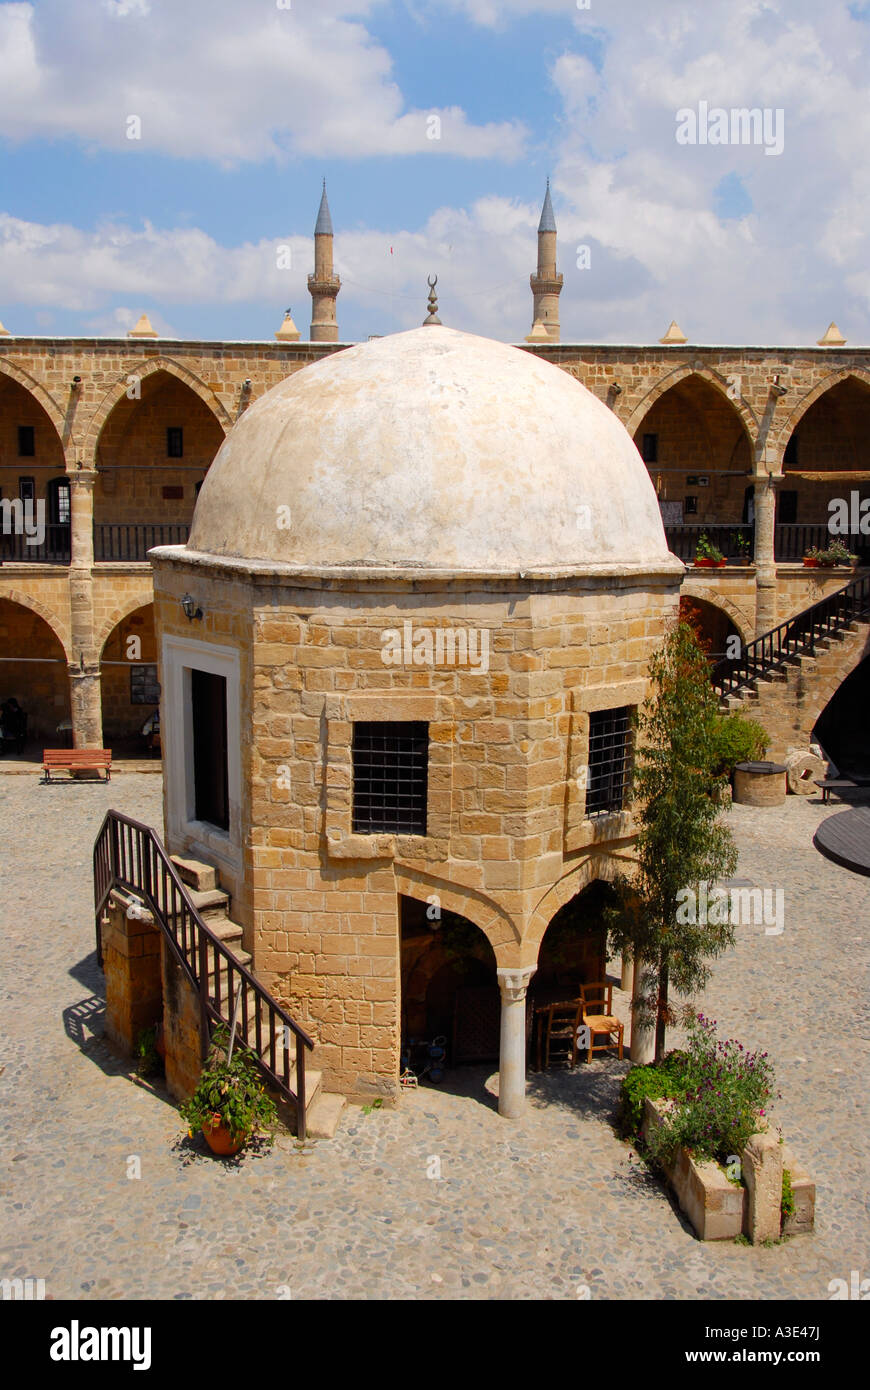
[811, 564]
[220, 1139]
[705, 564]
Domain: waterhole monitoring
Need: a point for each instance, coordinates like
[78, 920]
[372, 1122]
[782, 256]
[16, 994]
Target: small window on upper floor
[650, 448]
[174, 442]
[26, 442]
[27, 489]
[611, 753]
[390, 777]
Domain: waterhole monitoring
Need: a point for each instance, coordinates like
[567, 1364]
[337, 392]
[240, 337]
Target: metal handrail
[796, 637]
[131, 856]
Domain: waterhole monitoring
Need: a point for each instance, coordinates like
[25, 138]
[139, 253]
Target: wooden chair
[598, 1016]
[558, 1025]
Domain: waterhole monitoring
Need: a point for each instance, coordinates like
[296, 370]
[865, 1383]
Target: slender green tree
[683, 842]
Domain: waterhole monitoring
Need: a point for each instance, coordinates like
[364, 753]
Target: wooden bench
[73, 760]
[839, 784]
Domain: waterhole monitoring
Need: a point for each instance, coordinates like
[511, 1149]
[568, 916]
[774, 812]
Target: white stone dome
[431, 450]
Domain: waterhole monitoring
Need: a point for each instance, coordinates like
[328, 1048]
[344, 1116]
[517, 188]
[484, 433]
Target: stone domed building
[399, 656]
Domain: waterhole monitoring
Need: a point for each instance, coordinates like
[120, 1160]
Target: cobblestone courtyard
[529, 1210]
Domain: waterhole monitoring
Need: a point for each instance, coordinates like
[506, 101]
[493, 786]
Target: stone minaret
[324, 284]
[547, 283]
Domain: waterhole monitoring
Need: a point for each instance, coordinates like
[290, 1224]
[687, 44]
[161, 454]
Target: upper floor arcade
[104, 443]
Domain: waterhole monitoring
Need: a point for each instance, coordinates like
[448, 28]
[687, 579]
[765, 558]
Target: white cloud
[219, 80]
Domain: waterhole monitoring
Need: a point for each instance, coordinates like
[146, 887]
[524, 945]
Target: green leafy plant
[786, 1205]
[233, 1090]
[706, 550]
[736, 739]
[375, 1105]
[741, 543]
[834, 554]
[662, 1081]
[681, 842]
[725, 1093]
[148, 1059]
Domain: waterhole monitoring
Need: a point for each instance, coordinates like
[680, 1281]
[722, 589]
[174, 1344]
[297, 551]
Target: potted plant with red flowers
[707, 555]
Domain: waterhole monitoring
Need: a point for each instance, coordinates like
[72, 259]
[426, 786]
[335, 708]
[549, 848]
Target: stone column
[627, 975]
[85, 693]
[765, 565]
[82, 518]
[643, 1035]
[512, 1047]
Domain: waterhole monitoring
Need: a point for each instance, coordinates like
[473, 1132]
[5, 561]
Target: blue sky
[244, 108]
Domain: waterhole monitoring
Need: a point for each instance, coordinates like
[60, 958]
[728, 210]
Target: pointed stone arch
[143, 600]
[490, 919]
[58, 628]
[744, 624]
[149, 366]
[836, 378]
[596, 866]
[46, 401]
[714, 379]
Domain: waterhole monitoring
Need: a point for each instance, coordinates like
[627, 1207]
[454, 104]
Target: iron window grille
[611, 751]
[390, 777]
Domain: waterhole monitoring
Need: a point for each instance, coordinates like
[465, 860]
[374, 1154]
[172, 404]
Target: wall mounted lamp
[190, 608]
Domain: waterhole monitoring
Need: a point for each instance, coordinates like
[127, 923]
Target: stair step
[194, 873]
[226, 930]
[211, 903]
[323, 1114]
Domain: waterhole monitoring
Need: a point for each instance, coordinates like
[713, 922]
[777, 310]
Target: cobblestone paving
[530, 1210]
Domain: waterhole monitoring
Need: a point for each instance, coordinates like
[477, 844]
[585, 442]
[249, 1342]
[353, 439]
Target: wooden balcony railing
[683, 540]
[54, 549]
[132, 541]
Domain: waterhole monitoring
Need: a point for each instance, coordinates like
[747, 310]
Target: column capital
[513, 981]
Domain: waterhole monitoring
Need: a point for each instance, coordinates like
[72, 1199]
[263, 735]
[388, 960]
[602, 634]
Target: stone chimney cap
[832, 337]
[142, 329]
[538, 334]
[548, 221]
[674, 334]
[4, 332]
[323, 225]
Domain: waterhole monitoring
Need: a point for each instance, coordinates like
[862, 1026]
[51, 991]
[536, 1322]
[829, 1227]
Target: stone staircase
[323, 1109]
[787, 701]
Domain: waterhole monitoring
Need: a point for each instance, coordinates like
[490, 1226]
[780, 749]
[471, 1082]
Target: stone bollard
[762, 1173]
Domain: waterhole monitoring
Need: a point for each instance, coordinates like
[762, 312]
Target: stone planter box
[760, 784]
[804, 1189]
[722, 1210]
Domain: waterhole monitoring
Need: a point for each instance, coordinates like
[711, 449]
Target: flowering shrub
[724, 1093]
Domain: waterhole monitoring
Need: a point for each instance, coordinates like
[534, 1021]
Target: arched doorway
[842, 728]
[153, 452]
[573, 950]
[711, 625]
[128, 683]
[827, 459]
[698, 453]
[30, 453]
[33, 672]
[449, 986]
